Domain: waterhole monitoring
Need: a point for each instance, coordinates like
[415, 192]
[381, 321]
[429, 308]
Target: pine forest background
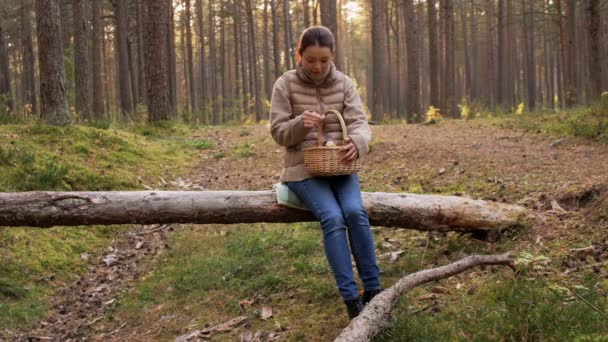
[215, 61]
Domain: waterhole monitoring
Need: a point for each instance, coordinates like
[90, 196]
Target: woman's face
[316, 60]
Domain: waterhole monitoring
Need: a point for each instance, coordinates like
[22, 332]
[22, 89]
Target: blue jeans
[336, 203]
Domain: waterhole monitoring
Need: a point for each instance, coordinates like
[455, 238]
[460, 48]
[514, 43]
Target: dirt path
[462, 158]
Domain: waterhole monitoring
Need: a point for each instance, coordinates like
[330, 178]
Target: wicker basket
[325, 160]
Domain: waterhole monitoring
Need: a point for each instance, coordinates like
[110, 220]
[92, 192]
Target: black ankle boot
[368, 296]
[354, 307]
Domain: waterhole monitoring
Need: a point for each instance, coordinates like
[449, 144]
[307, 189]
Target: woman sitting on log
[298, 99]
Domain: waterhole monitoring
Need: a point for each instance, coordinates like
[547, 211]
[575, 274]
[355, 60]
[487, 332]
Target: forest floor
[142, 288]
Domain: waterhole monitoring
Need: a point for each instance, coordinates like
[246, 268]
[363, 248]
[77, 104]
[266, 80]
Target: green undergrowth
[584, 122]
[35, 262]
[508, 308]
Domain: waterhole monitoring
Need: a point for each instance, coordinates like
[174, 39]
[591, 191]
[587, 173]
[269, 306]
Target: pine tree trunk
[6, 96]
[289, 53]
[450, 95]
[267, 73]
[213, 66]
[237, 59]
[50, 60]
[413, 84]
[96, 75]
[593, 32]
[530, 51]
[171, 67]
[500, 80]
[29, 80]
[122, 35]
[82, 79]
[223, 79]
[158, 88]
[254, 64]
[190, 58]
[306, 9]
[329, 19]
[433, 54]
[490, 79]
[379, 62]
[203, 60]
[141, 58]
[244, 62]
[467, 56]
[276, 41]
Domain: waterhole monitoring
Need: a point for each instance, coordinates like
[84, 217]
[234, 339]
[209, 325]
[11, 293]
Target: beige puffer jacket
[294, 93]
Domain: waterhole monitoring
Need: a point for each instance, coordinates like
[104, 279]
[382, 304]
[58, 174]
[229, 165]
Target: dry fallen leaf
[266, 313]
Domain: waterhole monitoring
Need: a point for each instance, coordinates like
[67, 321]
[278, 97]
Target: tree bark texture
[122, 35]
[96, 75]
[376, 313]
[158, 92]
[50, 59]
[81, 61]
[422, 212]
[329, 19]
[6, 97]
[28, 57]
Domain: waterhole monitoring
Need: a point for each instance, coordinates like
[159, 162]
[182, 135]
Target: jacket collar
[329, 80]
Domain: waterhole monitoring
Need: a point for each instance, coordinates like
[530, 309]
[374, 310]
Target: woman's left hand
[349, 151]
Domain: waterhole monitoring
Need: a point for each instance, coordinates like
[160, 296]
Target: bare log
[422, 212]
[376, 313]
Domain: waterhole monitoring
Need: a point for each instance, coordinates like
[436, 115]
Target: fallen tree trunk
[422, 212]
[375, 315]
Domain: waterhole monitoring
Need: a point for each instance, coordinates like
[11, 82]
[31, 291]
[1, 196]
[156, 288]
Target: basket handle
[322, 124]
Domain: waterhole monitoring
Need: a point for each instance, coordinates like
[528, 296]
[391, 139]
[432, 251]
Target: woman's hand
[311, 119]
[349, 151]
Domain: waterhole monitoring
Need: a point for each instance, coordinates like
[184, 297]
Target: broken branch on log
[422, 212]
[375, 315]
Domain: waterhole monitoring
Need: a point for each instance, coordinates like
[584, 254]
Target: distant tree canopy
[214, 61]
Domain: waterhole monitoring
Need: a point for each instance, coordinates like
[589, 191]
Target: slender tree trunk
[6, 96]
[530, 58]
[467, 56]
[190, 58]
[133, 71]
[237, 58]
[158, 89]
[244, 62]
[223, 65]
[203, 59]
[29, 80]
[254, 64]
[433, 54]
[81, 61]
[379, 62]
[275, 39]
[413, 84]
[122, 35]
[289, 53]
[213, 65]
[141, 58]
[450, 94]
[267, 72]
[500, 80]
[172, 67]
[329, 19]
[50, 60]
[490, 65]
[306, 9]
[96, 75]
[593, 33]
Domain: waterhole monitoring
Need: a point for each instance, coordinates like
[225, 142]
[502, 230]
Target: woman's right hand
[311, 119]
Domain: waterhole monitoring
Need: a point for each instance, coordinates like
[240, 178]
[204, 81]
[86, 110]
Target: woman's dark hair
[315, 35]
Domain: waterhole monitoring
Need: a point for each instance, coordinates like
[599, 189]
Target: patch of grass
[244, 150]
[34, 263]
[514, 309]
[203, 144]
